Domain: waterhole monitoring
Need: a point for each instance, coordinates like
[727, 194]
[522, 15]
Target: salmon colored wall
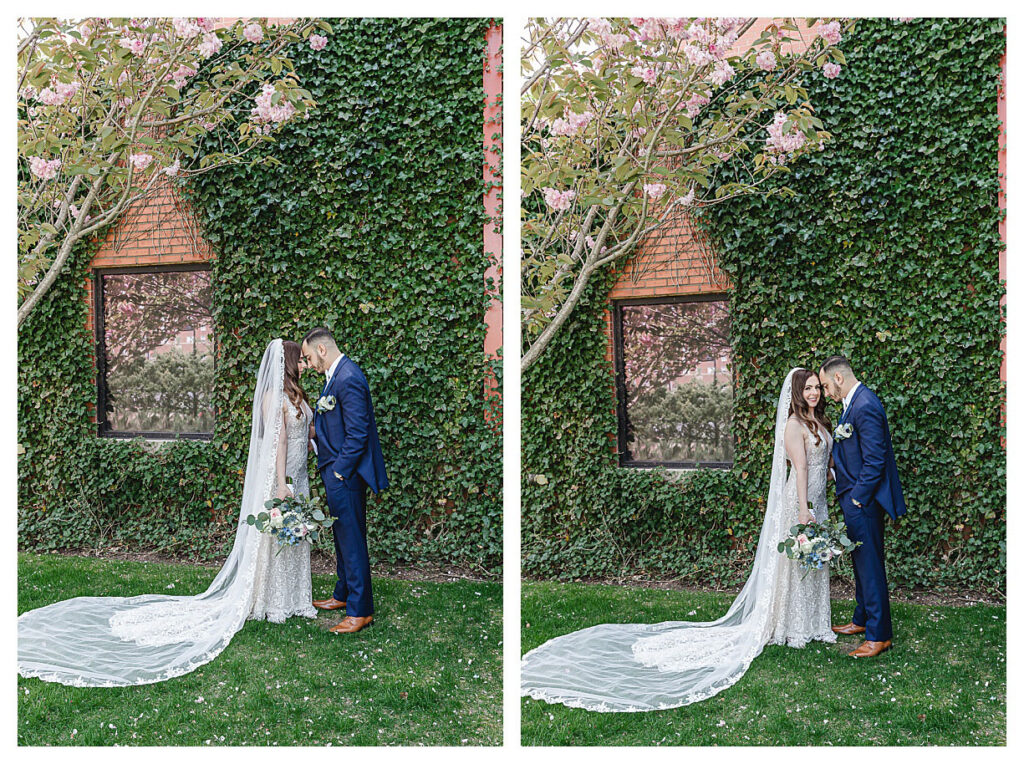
[492, 174]
[1002, 198]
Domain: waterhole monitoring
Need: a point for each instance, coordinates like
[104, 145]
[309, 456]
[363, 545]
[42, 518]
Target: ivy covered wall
[371, 223]
[889, 254]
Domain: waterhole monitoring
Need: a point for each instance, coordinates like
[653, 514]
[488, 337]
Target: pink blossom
[722, 73]
[73, 209]
[655, 190]
[211, 44]
[766, 61]
[317, 42]
[253, 33]
[615, 41]
[172, 169]
[267, 113]
[140, 161]
[134, 44]
[719, 48]
[647, 73]
[60, 93]
[696, 55]
[781, 142]
[677, 29]
[729, 24]
[181, 75]
[830, 32]
[45, 169]
[186, 28]
[831, 70]
[699, 33]
[653, 29]
[688, 198]
[572, 123]
[694, 104]
[207, 23]
[558, 200]
[599, 26]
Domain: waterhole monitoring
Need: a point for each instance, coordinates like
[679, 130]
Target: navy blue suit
[348, 446]
[866, 472]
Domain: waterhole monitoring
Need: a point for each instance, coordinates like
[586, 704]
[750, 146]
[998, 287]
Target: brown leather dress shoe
[849, 628]
[328, 604]
[352, 624]
[869, 649]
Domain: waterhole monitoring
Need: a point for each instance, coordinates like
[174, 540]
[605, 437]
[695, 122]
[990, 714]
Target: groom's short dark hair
[319, 334]
[838, 363]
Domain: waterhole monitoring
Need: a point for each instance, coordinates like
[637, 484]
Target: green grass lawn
[428, 672]
[943, 683]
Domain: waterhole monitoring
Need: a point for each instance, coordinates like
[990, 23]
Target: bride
[645, 667]
[118, 641]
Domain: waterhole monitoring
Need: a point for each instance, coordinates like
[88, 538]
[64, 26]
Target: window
[155, 349]
[674, 382]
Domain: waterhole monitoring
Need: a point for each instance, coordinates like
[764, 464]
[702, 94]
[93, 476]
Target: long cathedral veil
[646, 667]
[118, 641]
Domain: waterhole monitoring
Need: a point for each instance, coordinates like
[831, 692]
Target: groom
[349, 461]
[866, 486]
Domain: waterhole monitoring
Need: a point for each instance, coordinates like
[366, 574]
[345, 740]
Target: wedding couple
[117, 641]
[644, 667]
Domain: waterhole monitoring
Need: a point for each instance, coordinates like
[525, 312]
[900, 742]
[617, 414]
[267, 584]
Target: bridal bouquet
[291, 520]
[815, 545]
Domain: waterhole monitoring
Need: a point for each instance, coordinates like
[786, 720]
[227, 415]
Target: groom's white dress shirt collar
[330, 371]
[846, 400]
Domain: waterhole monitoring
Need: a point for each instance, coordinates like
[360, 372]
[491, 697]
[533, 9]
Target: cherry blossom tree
[627, 121]
[111, 109]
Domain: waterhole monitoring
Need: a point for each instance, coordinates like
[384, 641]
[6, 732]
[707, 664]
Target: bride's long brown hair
[802, 409]
[292, 386]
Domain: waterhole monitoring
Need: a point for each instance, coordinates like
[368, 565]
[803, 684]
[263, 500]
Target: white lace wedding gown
[628, 667]
[803, 609]
[120, 641]
[282, 583]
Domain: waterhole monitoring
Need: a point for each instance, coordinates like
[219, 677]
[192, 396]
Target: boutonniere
[843, 431]
[325, 404]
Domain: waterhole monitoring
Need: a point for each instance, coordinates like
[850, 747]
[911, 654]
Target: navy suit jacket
[346, 437]
[865, 463]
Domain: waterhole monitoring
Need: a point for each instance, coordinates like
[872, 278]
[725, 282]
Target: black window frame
[103, 428]
[618, 346]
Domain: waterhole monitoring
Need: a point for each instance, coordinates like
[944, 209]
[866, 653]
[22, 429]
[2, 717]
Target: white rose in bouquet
[276, 518]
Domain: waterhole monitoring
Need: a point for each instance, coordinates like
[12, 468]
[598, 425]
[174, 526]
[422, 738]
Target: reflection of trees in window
[157, 329]
[675, 383]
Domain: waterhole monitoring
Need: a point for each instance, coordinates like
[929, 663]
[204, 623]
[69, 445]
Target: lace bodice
[817, 475]
[297, 430]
